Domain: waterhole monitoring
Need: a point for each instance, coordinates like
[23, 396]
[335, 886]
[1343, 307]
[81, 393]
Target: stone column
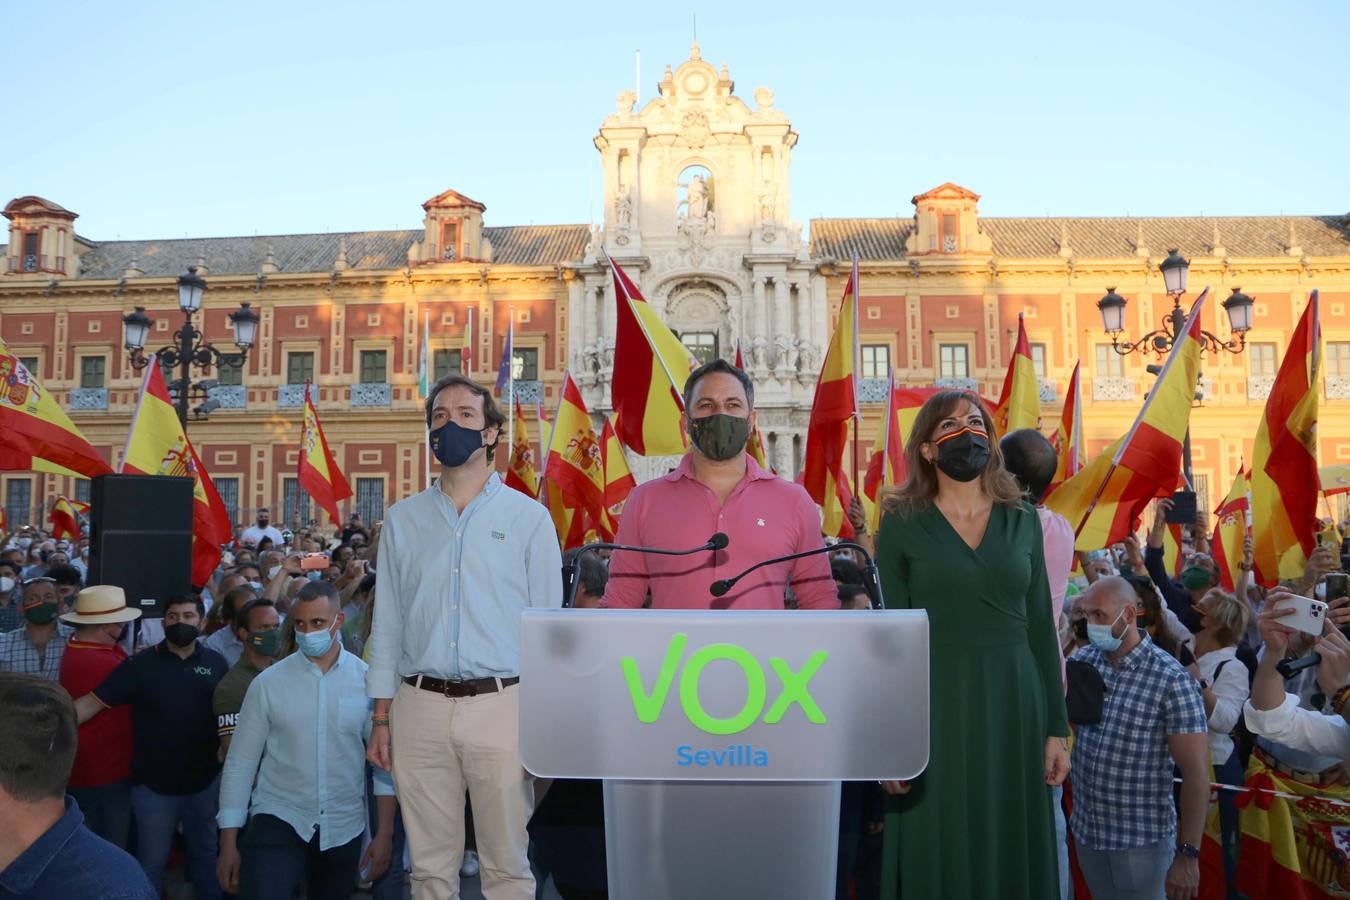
[785, 355]
[757, 346]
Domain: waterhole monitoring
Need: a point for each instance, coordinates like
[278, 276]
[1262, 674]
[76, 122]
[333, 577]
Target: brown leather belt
[471, 688]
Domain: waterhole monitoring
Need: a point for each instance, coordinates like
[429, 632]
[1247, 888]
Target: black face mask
[181, 634]
[963, 455]
[1144, 620]
[719, 436]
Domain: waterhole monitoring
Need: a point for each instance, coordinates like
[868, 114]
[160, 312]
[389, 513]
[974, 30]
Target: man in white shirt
[459, 562]
[254, 534]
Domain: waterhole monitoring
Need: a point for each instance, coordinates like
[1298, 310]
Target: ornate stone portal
[696, 211]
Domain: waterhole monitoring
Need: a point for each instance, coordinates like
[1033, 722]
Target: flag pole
[856, 412]
[511, 383]
[426, 378]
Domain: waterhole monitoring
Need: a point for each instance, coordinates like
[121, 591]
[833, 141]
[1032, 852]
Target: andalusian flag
[1069, 438]
[36, 435]
[650, 369]
[755, 446]
[619, 481]
[574, 470]
[157, 445]
[1104, 500]
[1284, 473]
[318, 472]
[834, 406]
[65, 519]
[520, 472]
[1334, 479]
[1231, 531]
[423, 360]
[1019, 405]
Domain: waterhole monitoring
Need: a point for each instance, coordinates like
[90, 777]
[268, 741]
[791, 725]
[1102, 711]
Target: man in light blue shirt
[459, 563]
[302, 732]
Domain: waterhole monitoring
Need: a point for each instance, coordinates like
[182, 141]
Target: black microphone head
[719, 587]
[717, 542]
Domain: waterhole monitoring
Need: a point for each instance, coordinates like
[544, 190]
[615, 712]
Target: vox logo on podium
[793, 686]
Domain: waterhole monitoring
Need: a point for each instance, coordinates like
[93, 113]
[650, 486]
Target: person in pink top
[718, 487]
[1032, 460]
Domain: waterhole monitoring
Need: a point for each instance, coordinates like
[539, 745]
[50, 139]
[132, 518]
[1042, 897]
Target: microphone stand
[870, 570]
[571, 571]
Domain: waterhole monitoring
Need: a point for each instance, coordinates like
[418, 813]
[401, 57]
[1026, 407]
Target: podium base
[676, 840]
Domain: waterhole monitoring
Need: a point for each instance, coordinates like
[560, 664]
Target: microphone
[720, 587]
[718, 541]
[1288, 668]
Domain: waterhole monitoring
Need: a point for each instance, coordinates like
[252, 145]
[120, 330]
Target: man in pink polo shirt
[718, 488]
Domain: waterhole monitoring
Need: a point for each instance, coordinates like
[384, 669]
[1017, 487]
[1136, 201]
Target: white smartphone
[1309, 616]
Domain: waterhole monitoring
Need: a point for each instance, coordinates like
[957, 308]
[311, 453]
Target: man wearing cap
[37, 647]
[100, 780]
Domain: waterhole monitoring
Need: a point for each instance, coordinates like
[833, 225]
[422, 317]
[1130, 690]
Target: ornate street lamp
[1174, 271]
[189, 349]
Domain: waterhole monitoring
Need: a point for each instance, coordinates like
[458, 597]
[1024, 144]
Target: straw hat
[99, 605]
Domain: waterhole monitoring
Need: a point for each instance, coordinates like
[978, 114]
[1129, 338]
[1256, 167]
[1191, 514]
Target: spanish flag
[574, 470]
[886, 464]
[650, 369]
[317, 471]
[520, 472]
[1104, 500]
[156, 445]
[619, 481]
[1171, 548]
[1284, 471]
[65, 519]
[754, 446]
[1069, 438]
[834, 405]
[1232, 530]
[35, 432]
[1019, 405]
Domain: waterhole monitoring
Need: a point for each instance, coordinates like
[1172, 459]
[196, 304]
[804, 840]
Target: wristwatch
[1190, 851]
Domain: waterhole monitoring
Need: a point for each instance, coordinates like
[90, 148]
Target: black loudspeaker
[140, 534]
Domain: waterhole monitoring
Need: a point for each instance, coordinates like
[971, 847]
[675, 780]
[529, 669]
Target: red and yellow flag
[574, 470]
[520, 472]
[1284, 472]
[35, 432]
[1172, 557]
[1069, 438]
[886, 464]
[834, 406]
[157, 445]
[754, 446]
[317, 471]
[650, 369]
[619, 481]
[65, 519]
[1104, 500]
[1231, 531]
[1019, 405]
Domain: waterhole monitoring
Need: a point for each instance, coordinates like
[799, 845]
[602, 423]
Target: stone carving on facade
[781, 459]
[695, 130]
[623, 104]
[808, 361]
[696, 201]
[763, 99]
[596, 242]
[784, 358]
[623, 211]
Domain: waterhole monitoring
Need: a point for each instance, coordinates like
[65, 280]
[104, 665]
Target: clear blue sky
[156, 119]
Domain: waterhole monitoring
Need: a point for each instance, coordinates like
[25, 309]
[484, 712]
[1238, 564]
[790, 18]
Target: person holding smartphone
[1197, 578]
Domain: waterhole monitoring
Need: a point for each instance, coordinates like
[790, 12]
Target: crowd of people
[299, 724]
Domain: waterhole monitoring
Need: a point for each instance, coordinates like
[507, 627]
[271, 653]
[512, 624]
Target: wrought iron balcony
[1047, 390]
[291, 395]
[88, 398]
[959, 384]
[229, 396]
[375, 393]
[1112, 388]
[528, 392]
[872, 390]
[1258, 386]
[1338, 387]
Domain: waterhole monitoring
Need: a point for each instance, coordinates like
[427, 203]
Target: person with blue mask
[459, 563]
[293, 790]
[1149, 714]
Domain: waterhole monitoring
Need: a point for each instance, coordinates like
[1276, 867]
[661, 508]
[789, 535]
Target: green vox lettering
[648, 705]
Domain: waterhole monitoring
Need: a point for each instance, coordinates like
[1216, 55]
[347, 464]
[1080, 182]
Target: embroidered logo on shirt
[202, 670]
[499, 536]
[759, 522]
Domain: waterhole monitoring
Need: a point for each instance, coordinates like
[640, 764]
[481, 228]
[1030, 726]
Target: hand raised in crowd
[291, 564]
[1333, 672]
[1155, 534]
[1248, 551]
[1338, 612]
[1320, 563]
[1056, 760]
[1275, 635]
[1133, 555]
[857, 516]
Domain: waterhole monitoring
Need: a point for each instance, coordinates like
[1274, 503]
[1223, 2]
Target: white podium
[722, 736]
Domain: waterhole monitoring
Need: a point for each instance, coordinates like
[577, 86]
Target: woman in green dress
[957, 541]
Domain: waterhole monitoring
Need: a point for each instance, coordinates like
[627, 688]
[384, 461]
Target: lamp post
[189, 348]
[1161, 340]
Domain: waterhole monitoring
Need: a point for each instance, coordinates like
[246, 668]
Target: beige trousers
[443, 746]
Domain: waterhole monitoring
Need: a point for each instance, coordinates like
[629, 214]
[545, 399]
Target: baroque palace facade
[696, 200]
